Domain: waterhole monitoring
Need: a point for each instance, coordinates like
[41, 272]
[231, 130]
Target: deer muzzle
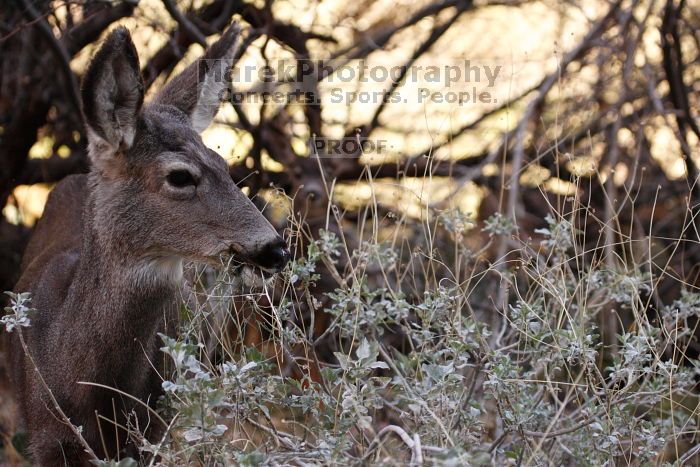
[273, 256]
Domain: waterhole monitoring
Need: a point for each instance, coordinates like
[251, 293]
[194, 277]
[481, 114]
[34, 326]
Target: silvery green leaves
[329, 243]
[456, 221]
[195, 393]
[303, 270]
[559, 234]
[530, 320]
[636, 354]
[419, 352]
[18, 312]
[365, 362]
[372, 311]
[623, 287]
[498, 224]
[374, 255]
[578, 347]
[677, 317]
[527, 318]
[359, 389]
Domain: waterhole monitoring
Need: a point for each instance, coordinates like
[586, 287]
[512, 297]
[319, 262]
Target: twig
[160, 443]
[90, 28]
[389, 361]
[380, 40]
[689, 454]
[126, 394]
[519, 148]
[413, 443]
[280, 436]
[189, 28]
[554, 434]
[417, 458]
[436, 34]
[59, 53]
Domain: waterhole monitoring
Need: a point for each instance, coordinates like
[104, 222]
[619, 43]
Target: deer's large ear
[200, 88]
[112, 96]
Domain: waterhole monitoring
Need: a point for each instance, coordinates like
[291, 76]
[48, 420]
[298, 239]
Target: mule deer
[104, 265]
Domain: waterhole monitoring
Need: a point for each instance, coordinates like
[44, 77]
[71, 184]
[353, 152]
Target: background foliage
[512, 282]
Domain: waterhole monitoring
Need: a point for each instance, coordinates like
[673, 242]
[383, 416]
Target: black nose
[273, 256]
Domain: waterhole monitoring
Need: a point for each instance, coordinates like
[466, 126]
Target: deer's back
[54, 249]
[50, 263]
[48, 266]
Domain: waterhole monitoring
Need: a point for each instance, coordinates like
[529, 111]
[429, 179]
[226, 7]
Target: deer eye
[181, 179]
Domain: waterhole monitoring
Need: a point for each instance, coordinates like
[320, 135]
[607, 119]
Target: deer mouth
[239, 264]
[251, 268]
[245, 275]
[270, 259]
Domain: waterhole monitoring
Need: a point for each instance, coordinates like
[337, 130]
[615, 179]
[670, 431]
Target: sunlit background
[527, 41]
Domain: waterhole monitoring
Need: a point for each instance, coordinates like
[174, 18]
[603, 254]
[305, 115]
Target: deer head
[158, 193]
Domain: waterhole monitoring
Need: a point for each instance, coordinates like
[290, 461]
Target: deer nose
[273, 256]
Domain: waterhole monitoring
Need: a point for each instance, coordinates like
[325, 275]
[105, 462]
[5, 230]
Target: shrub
[432, 354]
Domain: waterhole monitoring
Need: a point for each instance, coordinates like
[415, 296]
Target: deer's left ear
[200, 88]
[112, 95]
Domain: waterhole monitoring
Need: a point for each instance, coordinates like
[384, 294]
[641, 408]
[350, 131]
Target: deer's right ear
[198, 90]
[112, 96]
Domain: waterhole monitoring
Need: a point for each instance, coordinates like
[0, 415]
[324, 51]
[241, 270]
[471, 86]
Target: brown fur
[103, 265]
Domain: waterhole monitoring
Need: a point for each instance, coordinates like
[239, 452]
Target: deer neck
[127, 289]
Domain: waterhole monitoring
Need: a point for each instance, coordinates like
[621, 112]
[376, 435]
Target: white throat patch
[160, 270]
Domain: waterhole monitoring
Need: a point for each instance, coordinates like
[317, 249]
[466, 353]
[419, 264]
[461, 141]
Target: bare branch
[59, 52]
[185, 24]
[89, 30]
